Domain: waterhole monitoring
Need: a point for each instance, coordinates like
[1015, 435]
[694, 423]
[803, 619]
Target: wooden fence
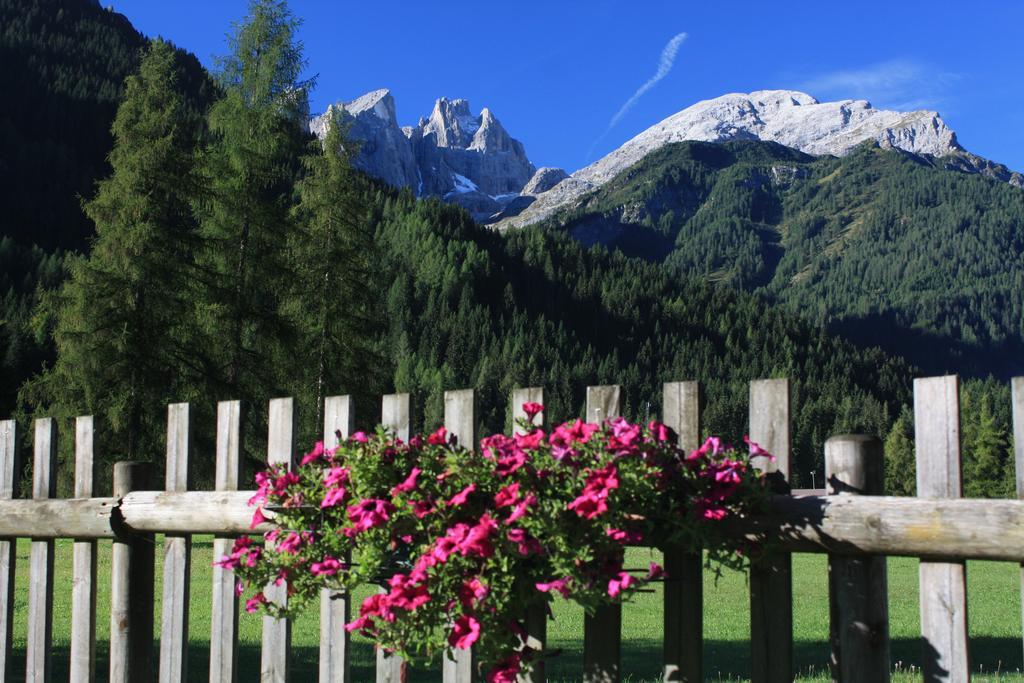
[853, 524]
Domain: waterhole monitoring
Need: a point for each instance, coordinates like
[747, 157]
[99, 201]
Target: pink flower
[568, 434]
[527, 545]
[661, 432]
[521, 508]
[329, 566]
[625, 436]
[478, 539]
[620, 583]
[593, 500]
[712, 446]
[336, 475]
[507, 496]
[257, 518]
[293, 542]
[460, 497]
[406, 593]
[625, 537]
[243, 554]
[756, 451]
[368, 514]
[472, 592]
[421, 508]
[360, 437]
[532, 410]
[531, 441]
[315, 454]
[409, 484]
[558, 585]
[333, 497]
[507, 670]
[438, 438]
[655, 571]
[239, 589]
[464, 633]
[253, 603]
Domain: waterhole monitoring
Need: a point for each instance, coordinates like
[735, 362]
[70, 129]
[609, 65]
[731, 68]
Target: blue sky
[557, 74]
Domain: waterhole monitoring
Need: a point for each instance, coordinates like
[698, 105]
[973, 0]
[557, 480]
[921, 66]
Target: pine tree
[120, 319]
[985, 452]
[258, 130]
[900, 467]
[338, 297]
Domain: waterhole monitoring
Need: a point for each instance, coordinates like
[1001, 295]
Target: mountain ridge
[789, 117]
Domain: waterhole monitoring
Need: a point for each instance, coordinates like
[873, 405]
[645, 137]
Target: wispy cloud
[898, 84]
[665, 64]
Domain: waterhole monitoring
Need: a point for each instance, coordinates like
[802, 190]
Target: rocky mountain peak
[789, 117]
[463, 158]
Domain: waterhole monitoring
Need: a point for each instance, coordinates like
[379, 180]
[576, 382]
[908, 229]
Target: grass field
[994, 613]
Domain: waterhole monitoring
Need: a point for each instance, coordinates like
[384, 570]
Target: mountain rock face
[791, 118]
[463, 158]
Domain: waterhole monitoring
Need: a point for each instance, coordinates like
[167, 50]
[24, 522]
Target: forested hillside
[230, 255]
[880, 246]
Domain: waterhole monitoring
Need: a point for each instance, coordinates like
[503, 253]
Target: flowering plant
[464, 542]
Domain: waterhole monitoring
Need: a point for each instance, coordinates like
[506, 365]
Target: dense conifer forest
[203, 246]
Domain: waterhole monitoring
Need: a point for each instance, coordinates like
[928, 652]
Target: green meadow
[994, 613]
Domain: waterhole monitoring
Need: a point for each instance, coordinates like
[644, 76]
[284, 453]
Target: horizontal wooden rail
[844, 525]
[881, 525]
[57, 518]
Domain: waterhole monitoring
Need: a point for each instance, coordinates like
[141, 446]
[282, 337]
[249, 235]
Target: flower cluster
[463, 542]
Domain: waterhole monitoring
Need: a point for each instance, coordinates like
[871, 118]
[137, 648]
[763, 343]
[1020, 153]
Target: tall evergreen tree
[336, 304]
[258, 130]
[120, 319]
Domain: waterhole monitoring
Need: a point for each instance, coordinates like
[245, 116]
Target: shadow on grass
[641, 660]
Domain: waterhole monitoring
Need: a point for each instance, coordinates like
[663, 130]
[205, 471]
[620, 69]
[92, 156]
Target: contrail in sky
[668, 58]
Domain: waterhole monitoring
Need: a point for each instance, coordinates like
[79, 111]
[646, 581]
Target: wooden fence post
[40, 590]
[1017, 396]
[277, 633]
[396, 415]
[224, 618]
[83, 583]
[943, 585]
[177, 553]
[339, 417]
[536, 622]
[10, 467]
[684, 572]
[602, 632]
[771, 580]
[858, 586]
[460, 420]
[131, 589]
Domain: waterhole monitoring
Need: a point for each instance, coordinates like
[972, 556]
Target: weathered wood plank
[277, 633]
[536, 618]
[771, 580]
[460, 420]
[82, 662]
[942, 584]
[339, 419]
[1017, 398]
[858, 586]
[684, 574]
[521, 397]
[10, 467]
[602, 645]
[972, 529]
[224, 617]
[396, 415]
[177, 554]
[602, 632]
[57, 518]
[603, 403]
[40, 590]
[131, 590]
